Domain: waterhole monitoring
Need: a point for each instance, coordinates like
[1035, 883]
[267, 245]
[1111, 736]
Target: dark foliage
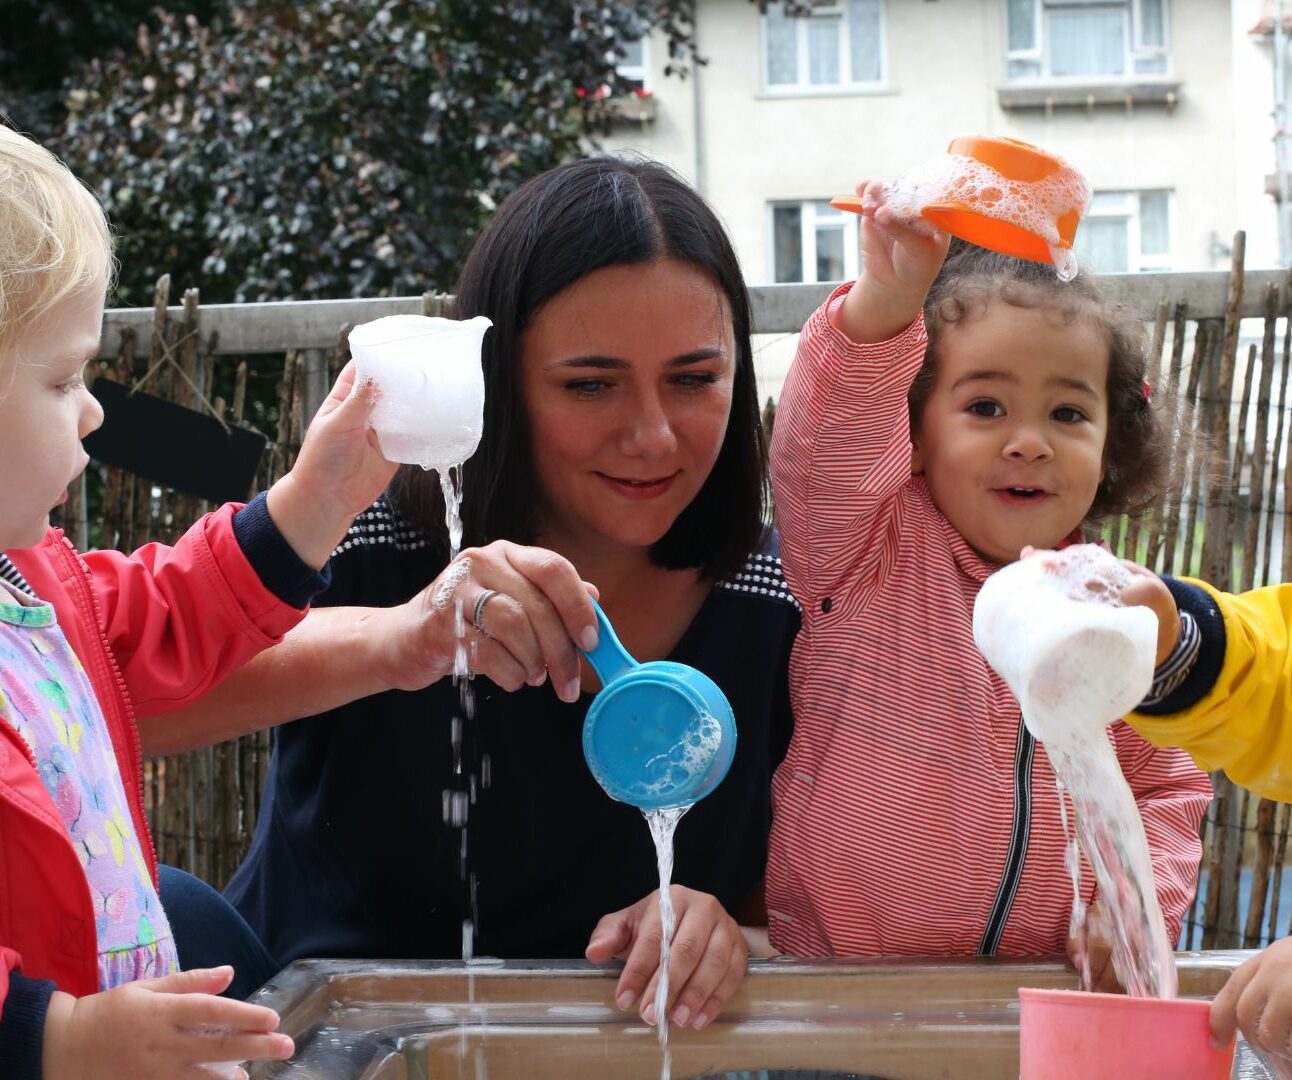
[339, 147]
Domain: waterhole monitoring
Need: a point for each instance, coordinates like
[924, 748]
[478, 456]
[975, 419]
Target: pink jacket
[155, 631]
[911, 815]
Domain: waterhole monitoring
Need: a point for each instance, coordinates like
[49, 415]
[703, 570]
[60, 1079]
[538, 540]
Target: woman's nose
[649, 431]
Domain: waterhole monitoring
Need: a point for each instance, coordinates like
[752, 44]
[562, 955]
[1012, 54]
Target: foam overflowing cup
[998, 193]
[430, 408]
[1053, 627]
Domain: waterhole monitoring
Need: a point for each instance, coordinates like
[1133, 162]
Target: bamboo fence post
[1260, 441]
[1277, 451]
[1190, 499]
[1240, 458]
[1163, 556]
[1280, 853]
[1260, 873]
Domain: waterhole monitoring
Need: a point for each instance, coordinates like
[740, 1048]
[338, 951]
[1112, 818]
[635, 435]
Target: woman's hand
[525, 614]
[1258, 1000]
[158, 1029]
[706, 962]
[900, 263]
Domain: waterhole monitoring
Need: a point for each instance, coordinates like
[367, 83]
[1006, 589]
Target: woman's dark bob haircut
[556, 229]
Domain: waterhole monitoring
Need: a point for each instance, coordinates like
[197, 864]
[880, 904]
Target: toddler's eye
[1068, 414]
[986, 408]
[73, 384]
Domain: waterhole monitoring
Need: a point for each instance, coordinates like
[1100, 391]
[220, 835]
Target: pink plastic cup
[1074, 1035]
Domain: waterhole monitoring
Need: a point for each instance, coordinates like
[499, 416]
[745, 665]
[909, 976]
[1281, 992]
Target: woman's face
[627, 378]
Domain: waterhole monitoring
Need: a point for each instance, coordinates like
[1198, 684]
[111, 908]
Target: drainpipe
[701, 177]
[1280, 137]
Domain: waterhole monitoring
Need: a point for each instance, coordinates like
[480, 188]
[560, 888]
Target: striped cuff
[1172, 672]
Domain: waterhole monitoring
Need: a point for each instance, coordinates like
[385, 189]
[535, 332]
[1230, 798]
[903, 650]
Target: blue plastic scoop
[658, 734]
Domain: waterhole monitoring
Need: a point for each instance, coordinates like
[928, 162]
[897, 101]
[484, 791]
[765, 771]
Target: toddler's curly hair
[1138, 447]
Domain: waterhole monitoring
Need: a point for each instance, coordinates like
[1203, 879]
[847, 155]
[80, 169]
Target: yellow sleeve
[1243, 724]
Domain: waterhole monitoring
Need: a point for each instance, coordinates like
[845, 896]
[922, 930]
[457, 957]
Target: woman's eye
[986, 409]
[586, 387]
[1068, 414]
[695, 380]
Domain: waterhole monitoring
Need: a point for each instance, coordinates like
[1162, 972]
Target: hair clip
[1146, 392]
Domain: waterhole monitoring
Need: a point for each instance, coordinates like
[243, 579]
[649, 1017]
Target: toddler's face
[45, 412]
[1011, 439]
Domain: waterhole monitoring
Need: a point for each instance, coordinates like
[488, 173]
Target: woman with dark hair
[622, 454]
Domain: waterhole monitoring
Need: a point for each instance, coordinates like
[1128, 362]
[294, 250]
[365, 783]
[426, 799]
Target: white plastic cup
[430, 408]
[1085, 660]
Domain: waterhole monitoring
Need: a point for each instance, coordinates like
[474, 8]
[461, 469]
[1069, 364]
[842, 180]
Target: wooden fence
[1234, 531]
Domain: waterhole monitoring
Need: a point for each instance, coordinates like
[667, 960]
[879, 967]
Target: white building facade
[1143, 95]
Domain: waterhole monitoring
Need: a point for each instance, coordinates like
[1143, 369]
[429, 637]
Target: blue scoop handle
[609, 659]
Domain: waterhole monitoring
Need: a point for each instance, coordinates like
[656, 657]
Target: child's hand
[1148, 590]
[534, 617]
[338, 473]
[705, 967]
[1145, 590]
[899, 265]
[158, 1029]
[1258, 1000]
[1094, 947]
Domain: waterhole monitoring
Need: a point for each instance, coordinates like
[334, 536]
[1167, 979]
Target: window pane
[1152, 24]
[1090, 42]
[829, 253]
[632, 53]
[1150, 65]
[863, 30]
[823, 49]
[1102, 245]
[1022, 24]
[1024, 69]
[782, 47]
[787, 243]
[1154, 223]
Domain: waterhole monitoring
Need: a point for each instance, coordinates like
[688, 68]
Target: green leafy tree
[43, 43]
[340, 147]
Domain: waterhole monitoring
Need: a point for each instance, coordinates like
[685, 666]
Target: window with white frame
[1086, 39]
[1126, 231]
[812, 241]
[634, 65]
[840, 45]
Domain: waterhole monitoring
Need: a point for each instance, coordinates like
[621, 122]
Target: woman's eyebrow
[613, 363]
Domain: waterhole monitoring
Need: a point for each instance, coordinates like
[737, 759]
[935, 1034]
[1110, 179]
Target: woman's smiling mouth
[649, 488]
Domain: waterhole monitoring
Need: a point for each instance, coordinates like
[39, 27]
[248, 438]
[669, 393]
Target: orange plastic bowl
[1014, 160]
[1074, 1035]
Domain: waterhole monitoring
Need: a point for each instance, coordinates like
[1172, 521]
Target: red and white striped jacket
[913, 813]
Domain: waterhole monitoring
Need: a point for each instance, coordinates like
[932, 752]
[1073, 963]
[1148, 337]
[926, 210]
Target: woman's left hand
[706, 963]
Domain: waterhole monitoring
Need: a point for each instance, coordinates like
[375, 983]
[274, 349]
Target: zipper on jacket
[1024, 753]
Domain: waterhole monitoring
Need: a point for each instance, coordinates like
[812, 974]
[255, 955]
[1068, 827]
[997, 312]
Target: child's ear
[917, 455]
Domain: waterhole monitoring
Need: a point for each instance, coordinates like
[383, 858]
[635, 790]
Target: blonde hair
[54, 237]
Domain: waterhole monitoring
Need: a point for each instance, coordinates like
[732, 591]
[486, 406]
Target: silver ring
[478, 611]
